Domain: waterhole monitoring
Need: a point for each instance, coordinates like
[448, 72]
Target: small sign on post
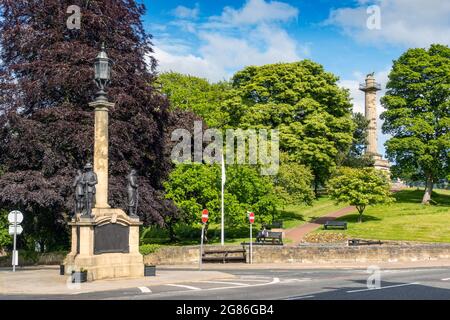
[251, 219]
[205, 216]
[15, 228]
[15, 218]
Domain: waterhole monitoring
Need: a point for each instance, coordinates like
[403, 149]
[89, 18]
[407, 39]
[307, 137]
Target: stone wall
[178, 255]
[315, 253]
[34, 258]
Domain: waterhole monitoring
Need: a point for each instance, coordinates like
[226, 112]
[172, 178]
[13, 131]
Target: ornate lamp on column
[106, 243]
[102, 79]
[102, 73]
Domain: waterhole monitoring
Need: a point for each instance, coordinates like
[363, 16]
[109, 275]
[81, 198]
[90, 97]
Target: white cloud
[188, 64]
[256, 11]
[250, 35]
[183, 12]
[404, 22]
[235, 52]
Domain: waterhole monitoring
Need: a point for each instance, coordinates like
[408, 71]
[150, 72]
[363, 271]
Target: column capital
[101, 105]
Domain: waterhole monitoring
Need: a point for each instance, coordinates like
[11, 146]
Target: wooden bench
[335, 224]
[271, 238]
[224, 255]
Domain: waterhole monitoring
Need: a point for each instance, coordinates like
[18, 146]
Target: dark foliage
[46, 124]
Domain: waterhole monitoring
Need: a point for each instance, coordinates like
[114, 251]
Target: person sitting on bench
[262, 234]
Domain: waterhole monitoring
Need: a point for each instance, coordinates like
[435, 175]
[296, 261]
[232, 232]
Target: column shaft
[101, 149]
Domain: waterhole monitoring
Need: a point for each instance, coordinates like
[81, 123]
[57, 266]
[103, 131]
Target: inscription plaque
[111, 238]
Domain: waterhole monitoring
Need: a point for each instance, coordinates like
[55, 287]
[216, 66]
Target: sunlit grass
[296, 215]
[406, 219]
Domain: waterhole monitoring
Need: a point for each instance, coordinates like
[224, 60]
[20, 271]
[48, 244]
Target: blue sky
[215, 38]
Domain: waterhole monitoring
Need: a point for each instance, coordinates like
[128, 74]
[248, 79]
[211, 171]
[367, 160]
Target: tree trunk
[360, 210]
[316, 188]
[428, 190]
[171, 232]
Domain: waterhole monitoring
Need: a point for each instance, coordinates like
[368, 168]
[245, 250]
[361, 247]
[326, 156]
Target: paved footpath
[297, 234]
[46, 280]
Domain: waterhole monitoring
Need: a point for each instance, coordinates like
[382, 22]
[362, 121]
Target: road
[290, 284]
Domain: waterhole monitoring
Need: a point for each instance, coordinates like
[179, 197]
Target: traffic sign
[205, 214]
[11, 229]
[16, 216]
[251, 217]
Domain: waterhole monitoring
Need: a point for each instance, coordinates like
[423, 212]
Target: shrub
[149, 248]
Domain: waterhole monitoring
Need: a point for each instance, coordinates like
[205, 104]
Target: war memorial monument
[105, 240]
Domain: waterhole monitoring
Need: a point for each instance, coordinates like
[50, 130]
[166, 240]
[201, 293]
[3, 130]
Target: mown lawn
[297, 215]
[406, 219]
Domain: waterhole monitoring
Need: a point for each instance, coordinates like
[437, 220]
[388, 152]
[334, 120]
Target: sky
[213, 39]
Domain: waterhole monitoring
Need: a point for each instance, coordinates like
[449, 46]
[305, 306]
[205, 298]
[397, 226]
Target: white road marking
[254, 280]
[387, 287]
[296, 280]
[445, 279]
[145, 290]
[274, 280]
[302, 297]
[79, 292]
[225, 282]
[183, 286]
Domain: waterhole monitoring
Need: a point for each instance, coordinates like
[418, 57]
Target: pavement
[420, 280]
[47, 280]
[297, 234]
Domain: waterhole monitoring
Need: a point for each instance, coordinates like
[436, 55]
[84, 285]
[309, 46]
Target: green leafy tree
[294, 183]
[356, 157]
[195, 94]
[417, 115]
[5, 238]
[360, 188]
[303, 101]
[194, 187]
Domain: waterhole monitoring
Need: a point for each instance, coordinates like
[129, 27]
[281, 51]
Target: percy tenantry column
[101, 149]
[370, 88]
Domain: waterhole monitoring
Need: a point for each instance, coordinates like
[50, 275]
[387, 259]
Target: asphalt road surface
[291, 284]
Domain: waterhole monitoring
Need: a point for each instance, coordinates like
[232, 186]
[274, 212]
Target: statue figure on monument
[132, 189]
[79, 192]
[89, 182]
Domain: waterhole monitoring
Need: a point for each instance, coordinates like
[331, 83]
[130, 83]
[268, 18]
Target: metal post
[15, 241]
[222, 226]
[251, 247]
[201, 249]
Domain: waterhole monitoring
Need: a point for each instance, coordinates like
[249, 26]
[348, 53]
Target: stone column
[101, 148]
[370, 89]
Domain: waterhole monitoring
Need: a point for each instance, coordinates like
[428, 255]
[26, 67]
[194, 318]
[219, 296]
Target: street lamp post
[101, 148]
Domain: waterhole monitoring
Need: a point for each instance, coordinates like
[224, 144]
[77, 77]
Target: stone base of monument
[106, 245]
[382, 164]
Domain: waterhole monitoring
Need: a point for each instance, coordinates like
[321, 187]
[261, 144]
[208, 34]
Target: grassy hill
[295, 215]
[406, 219]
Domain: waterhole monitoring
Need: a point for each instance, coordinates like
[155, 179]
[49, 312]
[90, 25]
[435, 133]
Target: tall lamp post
[102, 79]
